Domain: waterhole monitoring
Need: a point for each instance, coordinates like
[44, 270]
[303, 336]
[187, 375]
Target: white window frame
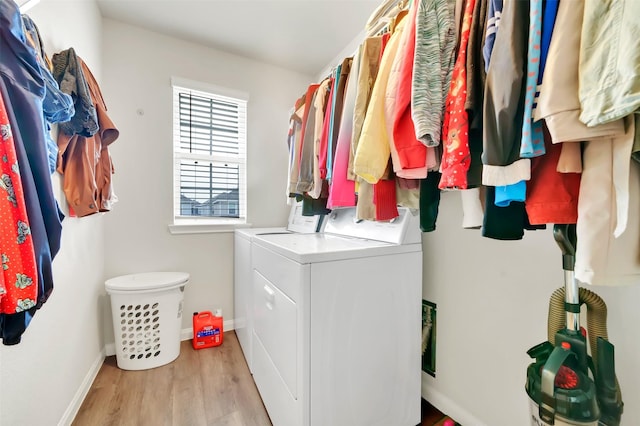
[189, 224]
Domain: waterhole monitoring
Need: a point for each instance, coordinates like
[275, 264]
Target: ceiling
[300, 35]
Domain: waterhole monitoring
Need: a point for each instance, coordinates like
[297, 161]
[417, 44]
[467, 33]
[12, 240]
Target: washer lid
[146, 281]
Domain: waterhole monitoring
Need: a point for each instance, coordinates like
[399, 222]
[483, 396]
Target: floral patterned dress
[18, 280]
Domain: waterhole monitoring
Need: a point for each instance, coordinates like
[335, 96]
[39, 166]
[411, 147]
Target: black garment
[429, 201]
[505, 223]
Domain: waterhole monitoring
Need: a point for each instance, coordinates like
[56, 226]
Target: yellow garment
[373, 150]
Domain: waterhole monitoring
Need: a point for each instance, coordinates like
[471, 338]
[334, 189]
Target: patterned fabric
[434, 50]
[456, 156]
[532, 144]
[18, 278]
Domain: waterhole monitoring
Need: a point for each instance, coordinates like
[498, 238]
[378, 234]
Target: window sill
[208, 228]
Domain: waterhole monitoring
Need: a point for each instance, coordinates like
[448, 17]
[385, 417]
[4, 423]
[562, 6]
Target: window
[209, 146]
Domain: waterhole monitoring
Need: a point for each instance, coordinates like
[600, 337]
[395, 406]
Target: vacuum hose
[609, 393]
[596, 317]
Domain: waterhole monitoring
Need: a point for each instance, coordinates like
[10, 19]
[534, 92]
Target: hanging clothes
[335, 114]
[305, 174]
[294, 141]
[432, 66]
[373, 150]
[502, 121]
[71, 78]
[408, 154]
[552, 197]
[603, 208]
[84, 161]
[342, 190]
[609, 57]
[320, 106]
[23, 89]
[367, 75]
[326, 131]
[558, 103]
[18, 277]
[494, 16]
[57, 106]
[476, 77]
[456, 156]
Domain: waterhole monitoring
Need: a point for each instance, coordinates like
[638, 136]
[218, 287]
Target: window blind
[209, 155]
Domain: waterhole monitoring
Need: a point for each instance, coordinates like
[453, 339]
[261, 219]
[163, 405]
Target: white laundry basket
[147, 315]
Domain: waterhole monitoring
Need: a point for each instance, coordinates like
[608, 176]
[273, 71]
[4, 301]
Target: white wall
[492, 298]
[138, 66]
[40, 377]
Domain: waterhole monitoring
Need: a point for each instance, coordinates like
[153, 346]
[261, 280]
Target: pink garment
[342, 192]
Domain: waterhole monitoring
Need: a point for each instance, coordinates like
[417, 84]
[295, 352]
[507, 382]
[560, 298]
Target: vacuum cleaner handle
[566, 238]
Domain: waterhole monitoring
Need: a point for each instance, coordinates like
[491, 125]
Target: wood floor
[207, 387]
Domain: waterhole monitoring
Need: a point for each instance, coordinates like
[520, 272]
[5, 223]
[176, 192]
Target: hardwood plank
[188, 401]
[233, 419]
[157, 400]
[95, 406]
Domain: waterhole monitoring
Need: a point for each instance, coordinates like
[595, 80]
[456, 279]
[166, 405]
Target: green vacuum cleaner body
[565, 384]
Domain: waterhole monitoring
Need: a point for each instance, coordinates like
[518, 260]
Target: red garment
[19, 276]
[384, 198]
[456, 156]
[552, 197]
[324, 138]
[411, 152]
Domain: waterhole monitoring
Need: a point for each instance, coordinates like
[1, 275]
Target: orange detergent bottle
[207, 329]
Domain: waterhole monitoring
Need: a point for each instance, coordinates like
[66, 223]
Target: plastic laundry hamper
[147, 315]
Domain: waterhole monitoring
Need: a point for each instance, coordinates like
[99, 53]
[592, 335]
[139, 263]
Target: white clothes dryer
[337, 323]
[242, 295]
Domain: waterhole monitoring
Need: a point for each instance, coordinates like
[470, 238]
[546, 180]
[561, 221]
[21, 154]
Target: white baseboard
[185, 334]
[446, 405]
[110, 349]
[83, 390]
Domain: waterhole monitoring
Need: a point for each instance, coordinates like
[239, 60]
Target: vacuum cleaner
[567, 385]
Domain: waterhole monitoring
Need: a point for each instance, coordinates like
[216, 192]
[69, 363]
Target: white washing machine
[242, 295]
[337, 323]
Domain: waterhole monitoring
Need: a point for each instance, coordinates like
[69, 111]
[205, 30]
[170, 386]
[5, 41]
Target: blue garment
[549, 13]
[493, 23]
[532, 141]
[331, 124]
[57, 106]
[508, 193]
[23, 90]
